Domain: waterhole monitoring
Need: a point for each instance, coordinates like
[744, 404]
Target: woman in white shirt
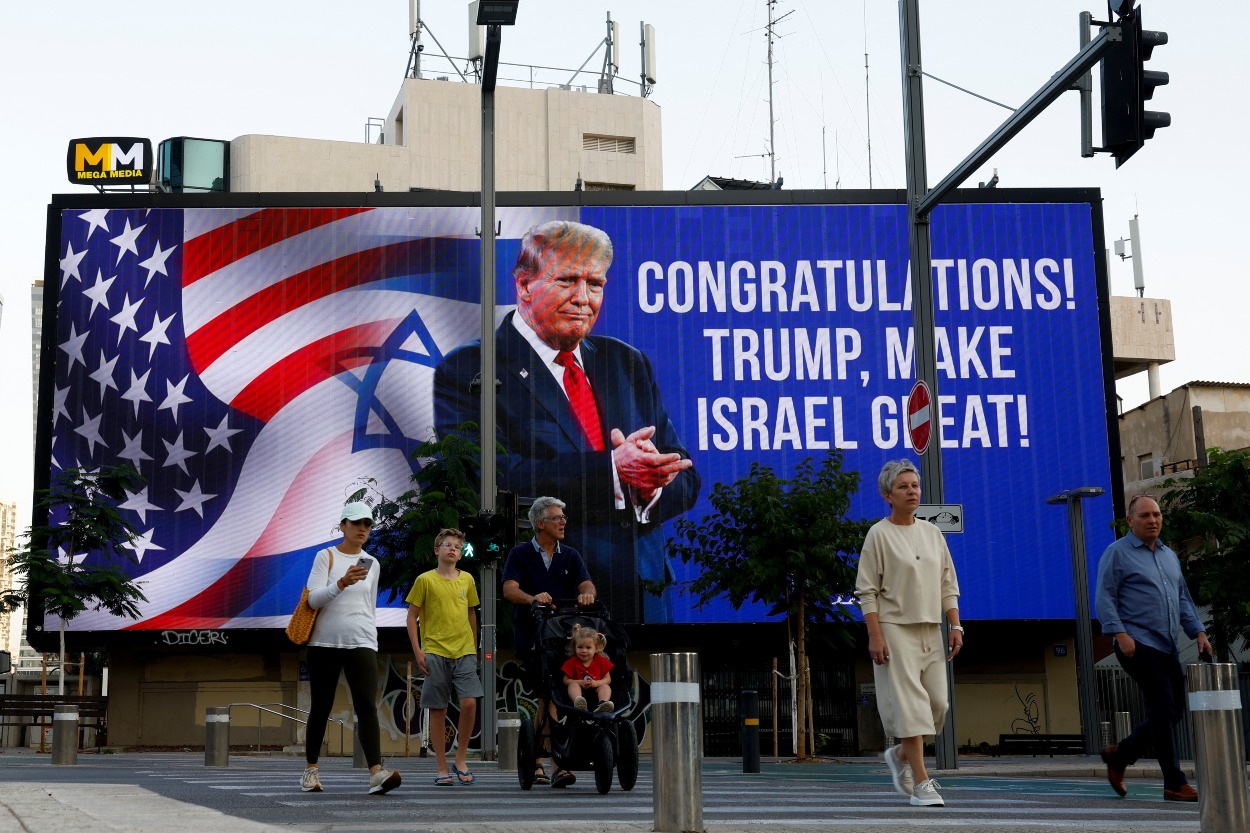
[906, 583]
[343, 588]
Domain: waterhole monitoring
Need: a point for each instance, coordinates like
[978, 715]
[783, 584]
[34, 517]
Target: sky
[315, 69]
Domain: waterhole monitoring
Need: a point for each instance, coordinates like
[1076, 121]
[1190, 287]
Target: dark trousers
[1162, 685]
[361, 667]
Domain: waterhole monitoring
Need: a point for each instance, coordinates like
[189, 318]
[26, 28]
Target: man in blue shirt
[1142, 601]
[542, 570]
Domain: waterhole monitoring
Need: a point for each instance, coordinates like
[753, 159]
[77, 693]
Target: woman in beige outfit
[906, 583]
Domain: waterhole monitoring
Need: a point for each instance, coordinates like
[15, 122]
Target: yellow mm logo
[107, 156]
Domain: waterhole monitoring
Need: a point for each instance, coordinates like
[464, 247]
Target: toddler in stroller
[601, 740]
[588, 670]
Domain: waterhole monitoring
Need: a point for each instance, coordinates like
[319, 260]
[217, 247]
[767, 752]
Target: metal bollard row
[65, 735]
[1219, 748]
[678, 752]
[217, 736]
[509, 726]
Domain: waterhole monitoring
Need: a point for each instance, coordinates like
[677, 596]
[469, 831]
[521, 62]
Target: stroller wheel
[626, 755]
[604, 759]
[525, 751]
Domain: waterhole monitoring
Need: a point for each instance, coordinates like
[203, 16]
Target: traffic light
[486, 537]
[1127, 85]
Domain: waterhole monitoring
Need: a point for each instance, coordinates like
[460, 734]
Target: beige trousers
[911, 687]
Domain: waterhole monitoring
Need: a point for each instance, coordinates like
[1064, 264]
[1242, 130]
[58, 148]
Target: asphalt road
[834, 796]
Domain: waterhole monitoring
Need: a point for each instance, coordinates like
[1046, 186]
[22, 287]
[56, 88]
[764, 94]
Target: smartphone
[363, 562]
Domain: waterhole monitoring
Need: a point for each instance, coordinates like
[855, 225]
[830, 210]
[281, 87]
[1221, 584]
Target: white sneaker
[311, 782]
[605, 706]
[579, 702]
[383, 781]
[926, 794]
[900, 771]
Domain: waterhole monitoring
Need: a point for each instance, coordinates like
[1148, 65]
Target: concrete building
[545, 140]
[10, 623]
[1166, 437]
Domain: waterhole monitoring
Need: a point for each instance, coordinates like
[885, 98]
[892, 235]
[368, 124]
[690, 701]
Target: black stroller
[580, 739]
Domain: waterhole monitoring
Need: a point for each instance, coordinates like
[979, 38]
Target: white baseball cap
[357, 511]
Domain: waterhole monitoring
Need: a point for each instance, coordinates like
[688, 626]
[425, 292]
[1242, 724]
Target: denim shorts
[443, 676]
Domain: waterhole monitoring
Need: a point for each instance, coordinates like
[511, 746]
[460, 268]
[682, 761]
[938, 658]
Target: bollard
[358, 751]
[1123, 725]
[509, 726]
[677, 753]
[749, 707]
[65, 735]
[217, 736]
[1219, 748]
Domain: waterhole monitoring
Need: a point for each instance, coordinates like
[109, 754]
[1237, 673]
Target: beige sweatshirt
[906, 575]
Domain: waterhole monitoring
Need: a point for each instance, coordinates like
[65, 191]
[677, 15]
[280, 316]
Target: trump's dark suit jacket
[547, 453]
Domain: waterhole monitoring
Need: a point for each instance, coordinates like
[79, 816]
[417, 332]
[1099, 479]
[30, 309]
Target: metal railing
[263, 708]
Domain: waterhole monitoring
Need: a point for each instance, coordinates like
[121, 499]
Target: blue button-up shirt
[1142, 593]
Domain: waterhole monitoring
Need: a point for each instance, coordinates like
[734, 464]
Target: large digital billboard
[257, 364]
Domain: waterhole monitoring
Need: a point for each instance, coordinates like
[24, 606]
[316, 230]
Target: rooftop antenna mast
[1134, 236]
[415, 27]
[647, 43]
[772, 121]
[414, 34]
[611, 56]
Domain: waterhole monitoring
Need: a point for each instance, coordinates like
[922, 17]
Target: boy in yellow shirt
[444, 601]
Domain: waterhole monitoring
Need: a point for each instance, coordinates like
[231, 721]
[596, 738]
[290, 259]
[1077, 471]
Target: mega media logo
[109, 160]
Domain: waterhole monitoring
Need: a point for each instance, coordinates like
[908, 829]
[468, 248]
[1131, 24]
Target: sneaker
[311, 782]
[900, 771]
[605, 706]
[579, 702]
[383, 781]
[925, 794]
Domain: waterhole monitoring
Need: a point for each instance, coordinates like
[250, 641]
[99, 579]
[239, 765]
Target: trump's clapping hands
[641, 465]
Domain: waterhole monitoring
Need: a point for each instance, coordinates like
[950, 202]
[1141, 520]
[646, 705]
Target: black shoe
[563, 778]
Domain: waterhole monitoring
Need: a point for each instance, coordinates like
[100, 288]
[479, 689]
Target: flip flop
[562, 778]
[464, 776]
[444, 781]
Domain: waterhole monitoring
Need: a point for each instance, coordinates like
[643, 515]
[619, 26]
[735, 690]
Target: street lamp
[492, 14]
[1085, 689]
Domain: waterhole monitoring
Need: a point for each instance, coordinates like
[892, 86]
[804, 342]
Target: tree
[82, 520]
[785, 543]
[445, 488]
[1206, 515]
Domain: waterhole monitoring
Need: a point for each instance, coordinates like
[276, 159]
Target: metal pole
[749, 708]
[923, 340]
[489, 644]
[1086, 694]
[217, 736]
[65, 735]
[1219, 748]
[488, 486]
[677, 797]
[1086, 684]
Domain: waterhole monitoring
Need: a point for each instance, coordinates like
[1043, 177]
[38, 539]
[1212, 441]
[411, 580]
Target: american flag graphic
[256, 366]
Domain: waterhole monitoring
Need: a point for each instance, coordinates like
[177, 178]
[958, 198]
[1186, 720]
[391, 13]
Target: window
[608, 186]
[608, 144]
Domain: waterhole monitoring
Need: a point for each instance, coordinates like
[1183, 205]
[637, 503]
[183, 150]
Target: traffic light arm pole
[1058, 84]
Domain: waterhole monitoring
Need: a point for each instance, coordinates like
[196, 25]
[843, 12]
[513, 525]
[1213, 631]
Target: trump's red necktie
[581, 399]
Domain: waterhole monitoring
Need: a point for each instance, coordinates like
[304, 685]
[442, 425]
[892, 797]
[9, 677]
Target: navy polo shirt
[525, 566]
